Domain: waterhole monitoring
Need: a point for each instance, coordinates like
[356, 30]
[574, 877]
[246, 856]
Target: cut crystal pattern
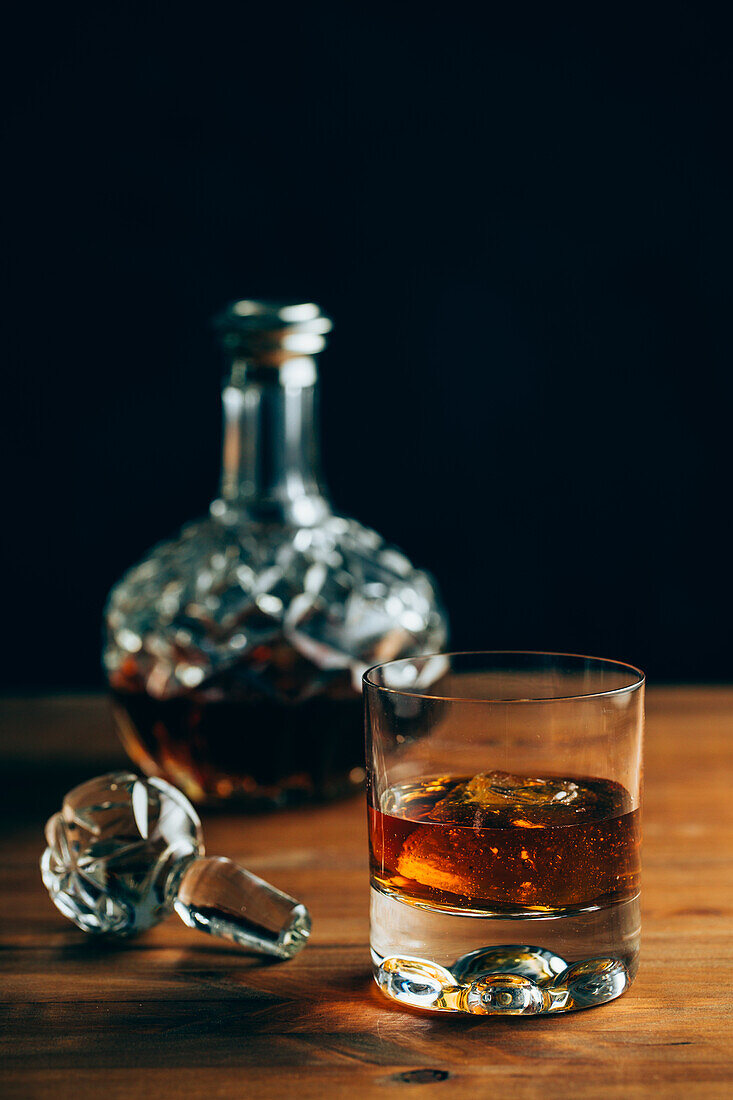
[330, 599]
[113, 849]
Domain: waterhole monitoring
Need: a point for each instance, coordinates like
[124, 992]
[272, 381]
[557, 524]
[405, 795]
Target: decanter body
[234, 652]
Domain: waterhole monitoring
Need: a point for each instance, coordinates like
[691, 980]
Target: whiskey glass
[503, 795]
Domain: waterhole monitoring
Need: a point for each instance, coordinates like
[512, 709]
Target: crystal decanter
[234, 652]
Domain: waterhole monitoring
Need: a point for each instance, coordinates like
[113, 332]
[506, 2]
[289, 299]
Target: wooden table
[174, 1015]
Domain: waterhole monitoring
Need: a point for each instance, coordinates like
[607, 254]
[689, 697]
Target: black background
[522, 227]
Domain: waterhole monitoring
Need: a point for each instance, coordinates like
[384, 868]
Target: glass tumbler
[504, 828]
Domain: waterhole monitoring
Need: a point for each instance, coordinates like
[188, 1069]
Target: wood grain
[174, 1015]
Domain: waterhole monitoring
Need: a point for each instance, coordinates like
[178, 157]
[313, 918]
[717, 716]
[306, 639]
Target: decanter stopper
[124, 852]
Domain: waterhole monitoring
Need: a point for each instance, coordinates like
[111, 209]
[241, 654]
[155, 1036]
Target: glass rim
[637, 683]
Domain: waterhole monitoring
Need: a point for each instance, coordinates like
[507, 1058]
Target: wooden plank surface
[173, 1014]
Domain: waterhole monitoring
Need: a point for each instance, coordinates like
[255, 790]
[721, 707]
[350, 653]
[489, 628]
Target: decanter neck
[270, 461]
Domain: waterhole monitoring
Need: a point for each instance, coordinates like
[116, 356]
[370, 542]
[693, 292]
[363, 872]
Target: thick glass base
[500, 964]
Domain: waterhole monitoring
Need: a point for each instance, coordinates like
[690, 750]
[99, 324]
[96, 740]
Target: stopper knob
[124, 852]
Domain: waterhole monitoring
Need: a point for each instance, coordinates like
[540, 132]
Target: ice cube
[497, 799]
[450, 860]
